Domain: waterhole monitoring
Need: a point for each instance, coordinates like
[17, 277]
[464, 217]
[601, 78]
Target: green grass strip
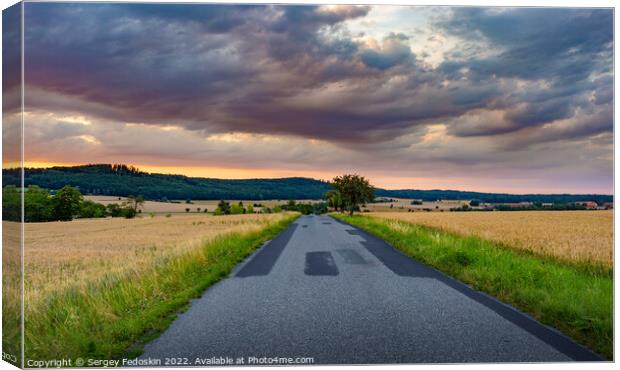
[113, 320]
[574, 300]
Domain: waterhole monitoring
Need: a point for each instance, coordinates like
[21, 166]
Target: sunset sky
[487, 99]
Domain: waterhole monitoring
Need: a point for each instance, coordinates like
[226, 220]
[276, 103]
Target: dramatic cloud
[373, 89]
[394, 51]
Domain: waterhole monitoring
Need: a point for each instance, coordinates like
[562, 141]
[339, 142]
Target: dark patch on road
[393, 259]
[355, 232]
[404, 265]
[304, 226]
[263, 261]
[326, 223]
[320, 264]
[352, 257]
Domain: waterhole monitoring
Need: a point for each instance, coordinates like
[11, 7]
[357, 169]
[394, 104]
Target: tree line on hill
[123, 180]
[435, 195]
[120, 180]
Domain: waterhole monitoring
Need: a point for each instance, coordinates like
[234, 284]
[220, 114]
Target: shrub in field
[236, 209]
[128, 212]
[11, 204]
[90, 209]
[66, 203]
[115, 210]
[37, 205]
[224, 207]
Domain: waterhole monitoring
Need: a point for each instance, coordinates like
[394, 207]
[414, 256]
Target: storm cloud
[499, 80]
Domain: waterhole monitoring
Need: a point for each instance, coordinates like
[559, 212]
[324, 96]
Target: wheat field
[77, 254]
[96, 287]
[576, 236]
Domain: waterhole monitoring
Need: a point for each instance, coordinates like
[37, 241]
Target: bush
[90, 209]
[66, 203]
[128, 212]
[114, 210]
[11, 204]
[37, 205]
[235, 209]
[224, 207]
[319, 208]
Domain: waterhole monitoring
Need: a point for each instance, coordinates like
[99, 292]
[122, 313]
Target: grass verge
[574, 299]
[112, 320]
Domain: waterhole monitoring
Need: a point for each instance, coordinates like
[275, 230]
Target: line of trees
[225, 208]
[64, 205]
[306, 208]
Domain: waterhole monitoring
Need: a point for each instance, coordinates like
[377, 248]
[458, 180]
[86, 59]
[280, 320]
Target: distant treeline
[122, 180]
[434, 195]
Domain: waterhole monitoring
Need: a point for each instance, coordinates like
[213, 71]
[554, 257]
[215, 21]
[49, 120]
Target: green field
[576, 299]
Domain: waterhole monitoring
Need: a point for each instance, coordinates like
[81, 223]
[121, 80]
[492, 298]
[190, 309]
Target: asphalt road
[329, 291]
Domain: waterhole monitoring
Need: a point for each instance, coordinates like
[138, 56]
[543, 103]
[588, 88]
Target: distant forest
[123, 180]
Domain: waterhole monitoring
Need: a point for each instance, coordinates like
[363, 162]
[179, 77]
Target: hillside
[121, 180]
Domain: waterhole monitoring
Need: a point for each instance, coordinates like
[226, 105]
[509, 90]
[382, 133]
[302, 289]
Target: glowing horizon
[247, 174]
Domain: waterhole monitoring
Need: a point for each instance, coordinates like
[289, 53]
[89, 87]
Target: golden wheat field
[577, 236]
[61, 255]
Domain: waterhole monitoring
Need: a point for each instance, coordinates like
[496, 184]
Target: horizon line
[47, 165]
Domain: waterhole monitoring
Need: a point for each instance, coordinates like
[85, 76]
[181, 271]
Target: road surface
[328, 291]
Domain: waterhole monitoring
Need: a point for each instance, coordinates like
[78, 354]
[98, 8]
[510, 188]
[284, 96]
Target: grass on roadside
[113, 318]
[576, 300]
